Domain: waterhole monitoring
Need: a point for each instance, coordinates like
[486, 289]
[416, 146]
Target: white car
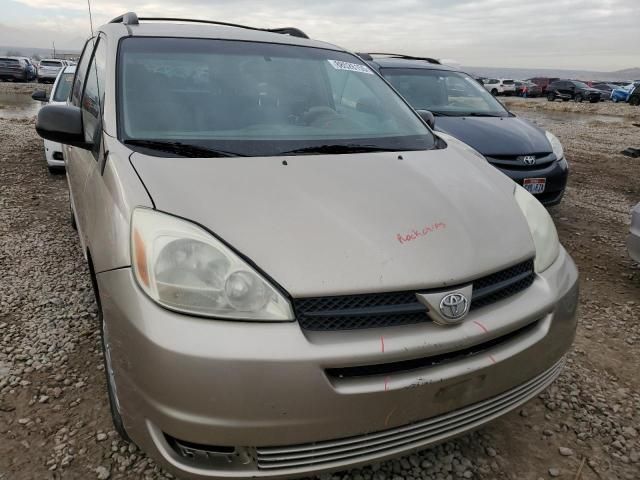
[49, 68]
[501, 86]
[59, 95]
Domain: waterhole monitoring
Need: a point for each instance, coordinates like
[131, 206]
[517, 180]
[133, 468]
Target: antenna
[90, 17]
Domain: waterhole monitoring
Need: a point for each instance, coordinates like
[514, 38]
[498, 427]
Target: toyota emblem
[529, 160]
[454, 307]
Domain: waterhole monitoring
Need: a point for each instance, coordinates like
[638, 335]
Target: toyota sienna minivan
[294, 273]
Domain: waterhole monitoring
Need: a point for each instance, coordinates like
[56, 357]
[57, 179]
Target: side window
[93, 97]
[81, 72]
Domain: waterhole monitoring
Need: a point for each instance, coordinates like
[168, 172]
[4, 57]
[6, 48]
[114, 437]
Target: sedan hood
[496, 135]
[343, 224]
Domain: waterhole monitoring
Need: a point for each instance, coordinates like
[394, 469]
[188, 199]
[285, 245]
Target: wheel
[55, 170]
[114, 405]
[615, 99]
[578, 98]
[494, 92]
[551, 97]
[635, 101]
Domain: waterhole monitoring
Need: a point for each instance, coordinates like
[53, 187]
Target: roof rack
[369, 56]
[130, 18]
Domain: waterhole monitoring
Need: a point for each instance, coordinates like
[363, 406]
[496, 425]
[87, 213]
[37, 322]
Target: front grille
[376, 310]
[516, 162]
[369, 447]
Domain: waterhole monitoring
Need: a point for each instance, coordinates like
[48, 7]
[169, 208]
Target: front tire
[578, 98]
[108, 370]
[494, 92]
[551, 97]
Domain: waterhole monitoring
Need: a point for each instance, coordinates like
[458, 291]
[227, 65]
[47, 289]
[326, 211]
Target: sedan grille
[369, 447]
[376, 310]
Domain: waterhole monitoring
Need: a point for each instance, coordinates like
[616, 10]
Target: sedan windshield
[444, 92]
[179, 96]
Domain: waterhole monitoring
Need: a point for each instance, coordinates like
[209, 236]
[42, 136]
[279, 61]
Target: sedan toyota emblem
[529, 159]
[454, 306]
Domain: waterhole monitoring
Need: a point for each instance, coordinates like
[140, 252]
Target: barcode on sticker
[352, 67]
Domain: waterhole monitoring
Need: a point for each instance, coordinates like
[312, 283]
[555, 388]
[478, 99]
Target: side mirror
[62, 124]
[428, 117]
[40, 96]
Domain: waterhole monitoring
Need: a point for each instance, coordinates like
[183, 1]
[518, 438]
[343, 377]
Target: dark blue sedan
[532, 157]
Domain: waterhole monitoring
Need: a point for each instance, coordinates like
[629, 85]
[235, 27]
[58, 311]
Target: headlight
[542, 228]
[184, 268]
[556, 146]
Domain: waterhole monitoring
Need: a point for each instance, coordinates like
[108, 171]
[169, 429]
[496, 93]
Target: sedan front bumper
[227, 399]
[556, 175]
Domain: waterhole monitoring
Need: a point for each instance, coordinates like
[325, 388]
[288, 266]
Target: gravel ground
[54, 416]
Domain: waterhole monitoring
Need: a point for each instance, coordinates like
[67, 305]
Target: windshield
[444, 92]
[64, 86]
[258, 99]
[50, 63]
[581, 85]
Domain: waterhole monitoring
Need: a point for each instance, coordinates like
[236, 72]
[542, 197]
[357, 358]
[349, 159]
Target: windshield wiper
[182, 149]
[437, 113]
[337, 149]
[481, 114]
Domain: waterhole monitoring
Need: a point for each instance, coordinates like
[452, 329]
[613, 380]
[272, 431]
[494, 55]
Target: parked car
[32, 70]
[572, 90]
[543, 82]
[527, 89]
[605, 89]
[622, 94]
[500, 86]
[530, 156]
[14, 69]
[53, 151]
[634, 97]
[284, 255]
[48, 69]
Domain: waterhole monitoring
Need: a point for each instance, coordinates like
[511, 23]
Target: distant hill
[32, 51]
[522, 73]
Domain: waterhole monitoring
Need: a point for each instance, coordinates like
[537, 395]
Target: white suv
[49, 68]
[502, 86]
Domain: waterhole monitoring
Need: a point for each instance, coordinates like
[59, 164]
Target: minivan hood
[496, 135]
[344, 224]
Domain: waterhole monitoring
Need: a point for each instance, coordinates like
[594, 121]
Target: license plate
[534, 185]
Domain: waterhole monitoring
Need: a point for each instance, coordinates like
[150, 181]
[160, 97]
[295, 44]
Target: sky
[598, 35]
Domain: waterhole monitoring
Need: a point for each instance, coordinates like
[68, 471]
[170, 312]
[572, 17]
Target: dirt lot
[54, 418]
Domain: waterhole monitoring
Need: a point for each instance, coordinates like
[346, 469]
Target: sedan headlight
[556, 146]
[185, 268]
[542, 228]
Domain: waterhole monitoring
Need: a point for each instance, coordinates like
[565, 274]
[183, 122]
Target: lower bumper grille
[369, 447]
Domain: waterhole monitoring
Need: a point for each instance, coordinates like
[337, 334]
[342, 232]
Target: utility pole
[54, 49]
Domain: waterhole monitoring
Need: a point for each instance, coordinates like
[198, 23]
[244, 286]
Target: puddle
[17, 105]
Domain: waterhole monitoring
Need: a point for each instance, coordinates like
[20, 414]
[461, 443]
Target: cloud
[596, 34]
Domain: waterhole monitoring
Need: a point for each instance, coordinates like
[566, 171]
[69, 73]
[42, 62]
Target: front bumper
[53, 154]
[556, 174]
[262, 389]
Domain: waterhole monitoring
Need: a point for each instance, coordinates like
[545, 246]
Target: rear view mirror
[63, 124]
[428, 117]
[40, 96]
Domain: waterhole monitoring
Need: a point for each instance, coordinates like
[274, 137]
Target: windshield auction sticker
[351, 67]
